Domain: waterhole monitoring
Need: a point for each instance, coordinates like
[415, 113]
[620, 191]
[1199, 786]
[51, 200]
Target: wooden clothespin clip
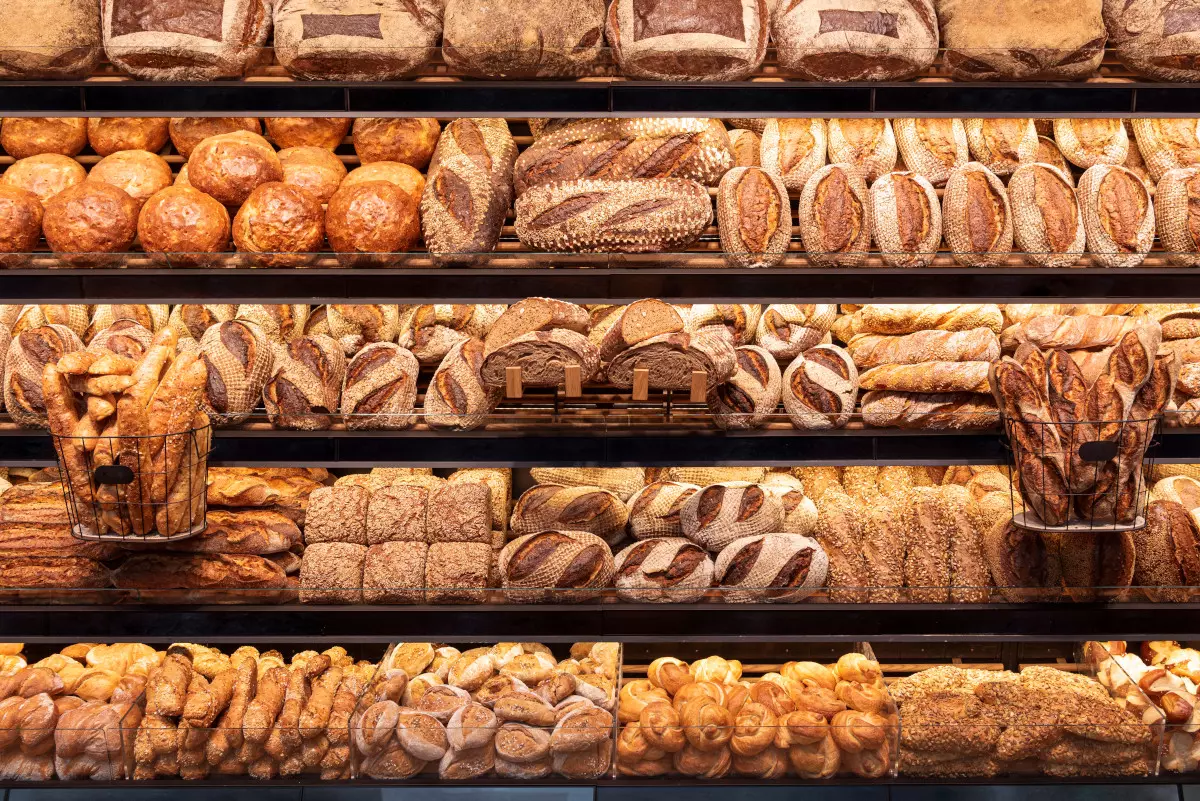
[512, 382]
[641, 383]
[573, 380]
[699, 386]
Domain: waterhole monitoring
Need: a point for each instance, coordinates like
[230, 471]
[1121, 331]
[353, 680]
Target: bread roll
[360, 324]
[1118, 216]
[933, 148]
[303, 391]
[861, 40]
[960, 411]
[380, 389]
[523, 39]
[709, 42]
[775, 568]
[751, 396]
[1177, 215]
[108, 135]
[207, 41]
[746, 146]
[187, 132]
[555, 566]
[794, 149]
[47, 41]
[458, 397]
[835, 217]
[654, 511]
[786, 330]
[87, 222]
[314, 169]
[140, 173]
[1002, 145]
[239, 359]
[754, 218]
[549, 506]
[22, 137]
[1088, 142]
[868, 144]
[976, 217]
[368, 221]
[1154, 38]
[45, 175]
[20, 225]
[28, 354]
[231, 166]
[721, 513]
[906, 219]
[363, 40]
[407, 140]
[672, 358]
[1047, 219]
[662, 570]
[279, 225]
[820, 388]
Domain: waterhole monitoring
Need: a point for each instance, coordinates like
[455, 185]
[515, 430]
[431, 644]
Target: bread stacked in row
[705, 720]
[513, 710]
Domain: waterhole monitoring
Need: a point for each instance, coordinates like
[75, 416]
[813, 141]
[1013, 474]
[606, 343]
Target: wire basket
[1080, 476]
[136, 488]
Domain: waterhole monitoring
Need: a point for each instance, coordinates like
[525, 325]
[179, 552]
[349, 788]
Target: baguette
[874, 350]
[960, 411]
[899, 318]
[930, 377]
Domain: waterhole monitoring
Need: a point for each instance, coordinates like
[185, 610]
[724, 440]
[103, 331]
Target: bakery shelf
[607, 283]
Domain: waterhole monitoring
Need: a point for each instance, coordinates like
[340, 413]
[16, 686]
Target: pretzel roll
[281, 323]
[976, 218]
[907, 219]
[303, 391]
[932, 148]
[1002, 145]
[380, 388]
[314, 169]
[355, 326]
[22, 137]
[555, 566]
[736, 322]
[793, 149]
[655, 510]
[1047, 219]
[590, 509]
[868, 143]
[183, 227]
[431, 331]
[140, 173]
[108, 135]
[231, 166]
[775, 568]
[20, 225]
[666, 570]
[280, 226]
[835, 217]
[1167, 143]
[88, 223]
[1177, 214]
[458, 397]
[28, 354]
[786, 330]
[751, 395]
[323, 132]
[1118, 216]
[721, 513]
[820, 388]
[754, 217]
[1088, 142]
[45, 175]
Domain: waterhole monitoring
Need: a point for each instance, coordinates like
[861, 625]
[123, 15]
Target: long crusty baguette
[873, 350]
[928, 377]
[1069, 332]
[960, 411]
[905, 318]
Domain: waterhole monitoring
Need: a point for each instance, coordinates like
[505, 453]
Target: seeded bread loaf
[933, 147]
[394, 573]
[1118, 216]
[721, 513]
[1047, 219]
[49, 39]
[1002, 145]
[786, 330]
[380, 388]
[672, 358]
[461, 512]
[332, 573]
[304, 389]
[751, 395]
[976, 217]
[794, 149]
[458, 397]
[239, 359]
[840, 524]
[654, 511]
[754, 217]
[663, 570]
[855, 40]
[1177, 215]
[1088, 142]
[775, 568]
[820, 388]
[337, 514]
[906, 219]
[550, 506]
[556, 567]
[835, 217]
[1167, 143]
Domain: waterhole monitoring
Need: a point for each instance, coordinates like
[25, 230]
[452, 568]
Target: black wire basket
[1080, 476]
[136, 488]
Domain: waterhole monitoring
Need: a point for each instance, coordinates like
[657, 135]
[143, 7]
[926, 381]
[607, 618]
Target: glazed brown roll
[314, 169]
[304, 390]
[369, 221]
[187, 132]
[20, 225]
[408, 140]
[380, 388]
[280, 226]
[184, 227]
[231, 166]
[89, 221]
[22, 137]
[45, 175]
[140, 173]
[108, 135]
[322, 132]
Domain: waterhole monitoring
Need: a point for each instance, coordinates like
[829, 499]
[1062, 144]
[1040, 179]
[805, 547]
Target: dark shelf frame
[599, 285]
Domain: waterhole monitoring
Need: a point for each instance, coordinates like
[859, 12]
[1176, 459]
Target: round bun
[45, 175]
[20, 225]
[184, 224]
[139, 172]
[88, 219]
[314, 169]
[22, 137]
[326, 132]
[283, 221]
[402, 175]
[375, 217]
[181, 178]
[108, 135]
[409, 140]
[187, 132]
[231, 166]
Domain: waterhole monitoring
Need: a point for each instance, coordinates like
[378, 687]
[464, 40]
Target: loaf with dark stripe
[751, 395]
[907, 219]
[754, 217]
[976, 217]
[28, 354]
[380, 389]
[655, 510]
[663, 570]
[304, 390]
[555, 567]
[835, 217]
[713, 41]
[1118, 216]
[49, 40]
[1047, 219]
[820, 388]
[775, 568]
[1159, 39]
[672, 358]
[720, 513]
[550, 506]
[736, 322]
[457, 396]
[855, 40]
[239, 359]
[1177, 215]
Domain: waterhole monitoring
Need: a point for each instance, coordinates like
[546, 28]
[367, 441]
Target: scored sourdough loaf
[431, 331]
[1088, 142]
[671, 359]
[794, 149]
[1002, 145]
[355, 40]
[933, 147]
[355, 326]
[1156, 38]
[550, 506]
[775, 568]
[719, 40]
[521, 39]
[621, 481]
[1167, 143]
[786, 330]
[617, 149]
[1177, 215]
[1118, 216]
[976, 217]
[754, 217]
[1049, 153]
[906, 219]
[203, 40]
[855, 40]
[932, 377]
[662, 570]
[869, 144]
[799, 512]
[961, 411]
[281, 323]
[736, 322]
[820, 387]
[74, 317]
[746, 147]
[49, 39]
[975, 345]
[28, 354]
[239, 359]
[304, 389]
[654, 511]
[721, 513]
[751, 395]
[1047, 219]
[602, 216]
[555, 566]
[458, 397]
[380, 388]
[835, 217]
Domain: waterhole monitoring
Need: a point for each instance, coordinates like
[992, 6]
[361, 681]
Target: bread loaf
[204, 41]
[28, 354]
[380, 388]
[724, 40]
[794, 149]
[1048, 153]
[587, 216]
[42, 40]
[1002, 145]
[367, 222]
[754, 218]
[555, 566]
[1088, 142]
[933, 148]
[281, 323]
[672, 358]
[874, 350]
[431, 331]
[1020, 40]
[1118, 216]
[976, 217]
[1047, 220]
[332, 573]
[394, 573]
[460, 512]
[590, 509]
[654, 511]
[721, 513]
[906, 219]
[904, 318]
[523, 39]
[363, 40]
[542, 356]
[751, 395]
[279, 225]
[231, 166]
[31, 316]
[786, 330]
[468, 188]
[1157, 39]
[22, 137]
[140, 173]
[355, 326]
[636, 323]
[1053, 331]
[183, 227]
[820, 387]
[45, 175]
[21, 574]
[1165, 564]
[1177, 215]
[303, 391]
[663, 570]
[736, 322]
[775, 568]
[239, 359]
[859, 40]
[87, 224]
[257, 531]
[953, 411]
[457, 396]
[840, 534]
[20, 225]
[192, 578]
[315, 169]
[868, 144]
[1167, 144]
[932, 377]
[799, 512]
[835, 217]
[746, 146]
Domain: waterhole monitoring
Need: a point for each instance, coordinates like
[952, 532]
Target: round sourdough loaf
[431, 331]
[869, 144]
[279, 225]
[720, 513]
[108, 135]
[786, 330]
[1088, 142]
[754, 217]
[551, 506]
[1118, 216]
[28, 354]
[976, 217]
[140, 173]
[457, 397]
[45, 175]
[906, 219]
[516, 39]
[408, 140]
[404, 176]
[621, 481]
[1047, 220]
[654, 511]
[22, 137]
[1156, 38]
[88, 223]
[751, 395]
[187, 132]
[151, 317]
[323, 132]
[356, 40]
[303, 391]
[793, 149]
[933, 148]
[663, 570]
[199, 40]
[1002, 145]
[720, 40]
[49, 39]
[20, 225]
[775, 568]
[74, 317]
[555, 567]
[380, 388]
[835, 217]
[820, 388]
[314, 169]
[239, 359]
[735, 322]
[184, 227]
[231, 166]
[368, 222]
[1177, 214]
[671, 359]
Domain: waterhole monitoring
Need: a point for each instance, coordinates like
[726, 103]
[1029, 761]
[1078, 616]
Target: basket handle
[113, 474]
[1098, 450]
